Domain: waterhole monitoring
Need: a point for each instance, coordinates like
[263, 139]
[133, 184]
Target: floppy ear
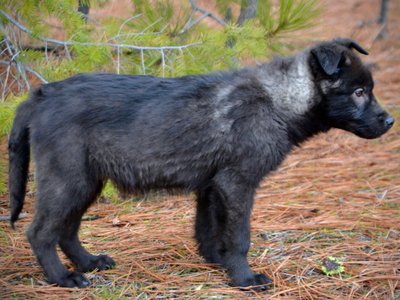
[328, 58]
[351, 44]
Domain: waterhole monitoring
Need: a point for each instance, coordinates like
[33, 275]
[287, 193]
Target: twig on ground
[8, 218]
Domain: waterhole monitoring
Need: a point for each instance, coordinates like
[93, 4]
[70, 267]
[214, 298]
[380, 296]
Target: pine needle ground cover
[326, 225]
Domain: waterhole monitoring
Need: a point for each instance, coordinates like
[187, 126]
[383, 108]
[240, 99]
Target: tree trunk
[383, 13]
[248, 11]
[83, 8]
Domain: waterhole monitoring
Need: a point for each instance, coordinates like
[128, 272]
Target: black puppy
[217, 135]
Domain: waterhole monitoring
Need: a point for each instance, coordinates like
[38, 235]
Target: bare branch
[128, 20]
[203, 11]
[152, 24]
[118, 59]
[67, 54]
[143, 32]
[4, 89]
[193, 23]
[19, 68]
[36, 74]
[16, 72]
[40, 77]
[21, 72]
[190, 23]
[163, 62]
[142, 61]
[113, 45]
[46, 52]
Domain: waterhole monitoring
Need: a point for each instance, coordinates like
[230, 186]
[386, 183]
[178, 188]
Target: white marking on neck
[292, 89]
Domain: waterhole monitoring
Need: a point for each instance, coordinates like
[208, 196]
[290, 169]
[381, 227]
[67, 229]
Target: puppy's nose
[389, 121]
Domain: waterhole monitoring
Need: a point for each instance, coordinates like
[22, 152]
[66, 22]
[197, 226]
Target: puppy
[216, 134]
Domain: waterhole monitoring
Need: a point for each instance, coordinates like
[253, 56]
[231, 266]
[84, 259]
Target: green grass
[7, 113]
[110, 193]
[130, 291]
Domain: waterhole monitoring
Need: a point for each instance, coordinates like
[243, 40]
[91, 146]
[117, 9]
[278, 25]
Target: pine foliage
[153, 24]
[7, 112]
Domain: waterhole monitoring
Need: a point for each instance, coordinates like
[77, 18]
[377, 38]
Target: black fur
[217, 135]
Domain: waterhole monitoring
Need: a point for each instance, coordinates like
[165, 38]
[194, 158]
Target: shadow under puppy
[217, 134]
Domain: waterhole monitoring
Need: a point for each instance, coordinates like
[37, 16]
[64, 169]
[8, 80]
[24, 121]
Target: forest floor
[337, 196]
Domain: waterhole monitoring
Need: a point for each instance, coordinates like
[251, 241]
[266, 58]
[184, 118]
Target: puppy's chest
[266, 144]
[272, 153]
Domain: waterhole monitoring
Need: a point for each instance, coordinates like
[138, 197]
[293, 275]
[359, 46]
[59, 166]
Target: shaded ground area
[337, 196]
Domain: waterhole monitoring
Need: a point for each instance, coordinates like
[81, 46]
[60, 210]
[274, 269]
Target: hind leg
[62, 197]
[43, 235]
[73, 249]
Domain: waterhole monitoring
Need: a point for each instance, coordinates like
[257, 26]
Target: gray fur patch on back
[290, 88]
[221, 108]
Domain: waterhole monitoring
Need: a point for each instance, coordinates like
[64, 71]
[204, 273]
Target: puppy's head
[346, 88]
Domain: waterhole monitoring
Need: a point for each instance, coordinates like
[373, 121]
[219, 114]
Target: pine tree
[160, 38]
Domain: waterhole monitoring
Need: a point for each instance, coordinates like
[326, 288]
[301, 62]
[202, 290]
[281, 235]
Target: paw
[257, 282]
[71, 280]
[99, 262]
[103, 262]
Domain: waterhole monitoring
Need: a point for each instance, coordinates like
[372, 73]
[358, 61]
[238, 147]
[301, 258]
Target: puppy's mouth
[369, 133]
[367, 130]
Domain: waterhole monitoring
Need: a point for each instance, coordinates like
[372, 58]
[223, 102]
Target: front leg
[223, 227]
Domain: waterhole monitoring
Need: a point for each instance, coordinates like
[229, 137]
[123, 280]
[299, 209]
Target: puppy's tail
[19, 155]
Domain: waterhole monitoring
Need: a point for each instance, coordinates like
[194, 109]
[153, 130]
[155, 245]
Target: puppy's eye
[359, 92]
